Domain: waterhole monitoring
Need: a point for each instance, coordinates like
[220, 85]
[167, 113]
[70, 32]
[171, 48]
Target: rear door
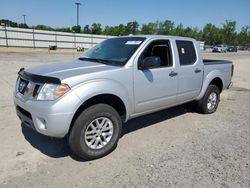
[190, 71]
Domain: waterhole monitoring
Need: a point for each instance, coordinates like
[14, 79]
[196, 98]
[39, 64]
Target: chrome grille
[27, 89]
[22, 85]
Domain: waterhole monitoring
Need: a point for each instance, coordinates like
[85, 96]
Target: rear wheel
[95, 132]
[210, 101]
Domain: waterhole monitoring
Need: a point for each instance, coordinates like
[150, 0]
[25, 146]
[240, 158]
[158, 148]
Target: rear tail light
[232, 70]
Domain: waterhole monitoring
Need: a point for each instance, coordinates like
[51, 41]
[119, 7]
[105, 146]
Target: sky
[62, 13]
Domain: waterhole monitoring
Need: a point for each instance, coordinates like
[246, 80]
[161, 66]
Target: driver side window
[161, 49]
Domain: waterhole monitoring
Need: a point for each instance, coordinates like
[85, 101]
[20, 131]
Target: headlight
[52, 91]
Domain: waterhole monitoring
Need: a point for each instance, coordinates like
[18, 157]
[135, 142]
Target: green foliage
[243, 37]
[229, 32]
[21, 25]
[8, 23]
[165, 28]
[64, 29]
[86, 29]
[115, 30]
[96, 28]
[132, 28]
[149, 29]
[76, 28]
[43, 27]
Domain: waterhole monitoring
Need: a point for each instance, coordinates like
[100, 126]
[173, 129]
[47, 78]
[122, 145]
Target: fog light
[41, 123]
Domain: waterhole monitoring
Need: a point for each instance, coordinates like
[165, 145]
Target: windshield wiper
[104, 61]
[90, 59]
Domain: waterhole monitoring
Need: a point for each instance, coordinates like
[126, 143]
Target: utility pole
[24, 19]
[77, 8]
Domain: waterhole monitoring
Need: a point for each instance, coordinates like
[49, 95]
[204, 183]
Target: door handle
[172, 74]
[197, 70]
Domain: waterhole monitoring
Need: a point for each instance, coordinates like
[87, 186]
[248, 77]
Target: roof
[159, 36]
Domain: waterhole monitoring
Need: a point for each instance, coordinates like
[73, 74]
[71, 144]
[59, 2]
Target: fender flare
[207, 80]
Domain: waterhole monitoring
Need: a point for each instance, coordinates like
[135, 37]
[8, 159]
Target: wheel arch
[217, 82]
[105, 98]
[213, 77]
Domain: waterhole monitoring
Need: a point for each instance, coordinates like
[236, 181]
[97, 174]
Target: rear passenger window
[186, 50]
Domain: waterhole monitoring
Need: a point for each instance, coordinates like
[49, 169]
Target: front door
[156, 87]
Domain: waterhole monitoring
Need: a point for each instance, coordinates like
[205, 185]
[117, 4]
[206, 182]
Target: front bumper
[216, 50]
[51, 118]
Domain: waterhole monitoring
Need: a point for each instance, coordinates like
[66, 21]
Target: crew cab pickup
[121, 78]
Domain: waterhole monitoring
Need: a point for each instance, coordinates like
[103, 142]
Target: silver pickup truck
[89, 99]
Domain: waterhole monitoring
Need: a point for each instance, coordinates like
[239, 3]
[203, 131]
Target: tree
[243, 37]
[211, 34]
[165, 28]
[179, 30]
[43, 27]
[115, 30]
[132, 27]
[22, 25]
[8, 23]
[76, 28]
[229, 32]
[64, 29]
[149, 28]
[122, 30]
[86, 29]
[96, 28]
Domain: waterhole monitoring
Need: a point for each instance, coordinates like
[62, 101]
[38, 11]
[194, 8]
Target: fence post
[56, 38]
[92, 41]
[33, 33]
[6, 37]
[75, 39]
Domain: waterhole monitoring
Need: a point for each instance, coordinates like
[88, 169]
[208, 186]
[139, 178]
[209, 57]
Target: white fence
[30, 38]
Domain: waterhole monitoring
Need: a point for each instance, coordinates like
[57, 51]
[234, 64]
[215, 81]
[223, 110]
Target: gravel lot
[172, 148]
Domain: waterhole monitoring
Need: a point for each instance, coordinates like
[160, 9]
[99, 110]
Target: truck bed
[223, 67]
[213, 61]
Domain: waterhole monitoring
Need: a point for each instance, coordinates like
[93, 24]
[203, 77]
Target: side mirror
[150, 62]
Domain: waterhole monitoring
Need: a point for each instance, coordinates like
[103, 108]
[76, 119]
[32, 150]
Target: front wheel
[210, 101]
[95, 132]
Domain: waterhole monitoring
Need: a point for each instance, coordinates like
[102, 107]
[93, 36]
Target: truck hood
[65, 70]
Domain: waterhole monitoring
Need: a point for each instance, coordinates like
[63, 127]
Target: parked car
[206, 47]
[220, 48]
[121, 78]
[243, 48]
[52, 47]
[232, 49]
[80, 49]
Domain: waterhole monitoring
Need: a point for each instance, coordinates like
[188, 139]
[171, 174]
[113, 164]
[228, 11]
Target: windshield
[114, 51]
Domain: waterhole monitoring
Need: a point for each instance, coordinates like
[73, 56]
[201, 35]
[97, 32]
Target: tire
[86, 129]
[210, 101]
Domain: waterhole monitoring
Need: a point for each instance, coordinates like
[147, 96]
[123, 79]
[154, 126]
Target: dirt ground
[172, 148]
